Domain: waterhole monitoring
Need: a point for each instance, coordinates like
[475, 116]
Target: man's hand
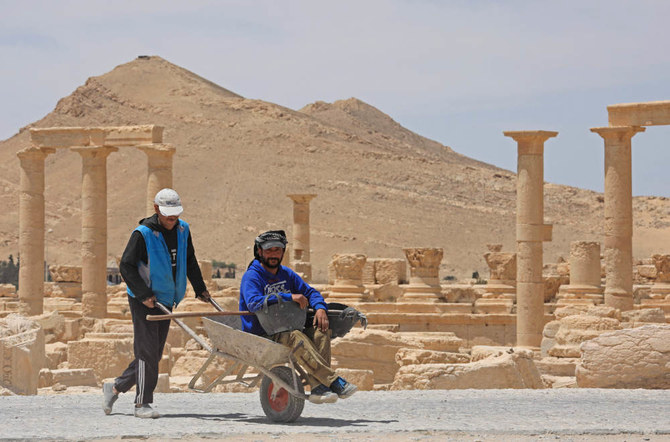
[300, 299]
[204, 296]
[321, 320]
[150, 302]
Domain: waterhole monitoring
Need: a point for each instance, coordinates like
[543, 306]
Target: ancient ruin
[94, 145]
[521, 328]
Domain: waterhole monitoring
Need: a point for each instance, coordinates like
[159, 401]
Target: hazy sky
[459, 72]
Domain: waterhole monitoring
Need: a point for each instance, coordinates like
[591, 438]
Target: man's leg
[308, 357]
[149, 339]
[321, 341]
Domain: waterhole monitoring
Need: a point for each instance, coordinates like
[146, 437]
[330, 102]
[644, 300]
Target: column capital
[157, 148]
[530, 142]
[34, 152]
[619, 133]
[102, 151]
[302, 197]
[539, 136]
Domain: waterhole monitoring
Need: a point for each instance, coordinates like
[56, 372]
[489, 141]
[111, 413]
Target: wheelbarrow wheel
[284, 407]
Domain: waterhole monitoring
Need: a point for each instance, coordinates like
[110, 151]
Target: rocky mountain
[380, 186]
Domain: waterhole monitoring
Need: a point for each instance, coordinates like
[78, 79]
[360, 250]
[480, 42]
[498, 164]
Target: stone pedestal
[94, 229]
[530, 232]
[424, 275]
[300, 248]
[500, 292]
[584, 287]
[618, 215]
[348, 286]
[159, 170]
[31, 230]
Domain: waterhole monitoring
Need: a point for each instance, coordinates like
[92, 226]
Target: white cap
[168, 202]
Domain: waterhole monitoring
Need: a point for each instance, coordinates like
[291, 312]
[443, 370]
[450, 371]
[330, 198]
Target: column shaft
[618, 226]
[31, 231]
[159, 170]
[300, 247]
[530, 234]
[94, 230]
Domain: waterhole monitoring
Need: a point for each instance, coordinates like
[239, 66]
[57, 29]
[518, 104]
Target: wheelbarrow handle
[215, 304]
[193, 315]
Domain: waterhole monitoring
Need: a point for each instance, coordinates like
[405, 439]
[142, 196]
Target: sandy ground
[469, 415]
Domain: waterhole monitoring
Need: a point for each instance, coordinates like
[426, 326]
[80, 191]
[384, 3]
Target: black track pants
[149, 341]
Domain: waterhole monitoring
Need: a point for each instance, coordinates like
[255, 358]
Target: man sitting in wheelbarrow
[264, 281]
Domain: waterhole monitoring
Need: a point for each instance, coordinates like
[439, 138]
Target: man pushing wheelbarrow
[279, 298]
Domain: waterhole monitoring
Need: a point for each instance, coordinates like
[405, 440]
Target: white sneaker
[146, 412]
[108, 397]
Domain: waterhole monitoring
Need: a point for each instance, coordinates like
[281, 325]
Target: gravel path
[573, 414]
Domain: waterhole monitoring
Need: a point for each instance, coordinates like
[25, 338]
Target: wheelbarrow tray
[254, 350]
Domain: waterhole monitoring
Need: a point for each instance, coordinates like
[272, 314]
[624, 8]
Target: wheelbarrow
[282, 380]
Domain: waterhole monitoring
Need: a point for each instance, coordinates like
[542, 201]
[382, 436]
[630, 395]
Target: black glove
[204, 296]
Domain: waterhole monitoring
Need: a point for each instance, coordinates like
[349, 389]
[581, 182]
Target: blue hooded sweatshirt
[258, 283]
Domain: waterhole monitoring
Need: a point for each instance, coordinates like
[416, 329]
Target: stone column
[584, 287]
[94, 229]
[31, 230]
[530, 232]
[618, 215]
[348, 284]
[300, 256]
[424, 274]
[159, 170]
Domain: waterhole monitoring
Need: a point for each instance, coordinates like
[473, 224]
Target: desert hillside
[380, 186]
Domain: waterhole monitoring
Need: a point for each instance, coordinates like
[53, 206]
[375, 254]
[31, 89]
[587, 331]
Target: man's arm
[135, 252]
[315, 298]
[193, 272]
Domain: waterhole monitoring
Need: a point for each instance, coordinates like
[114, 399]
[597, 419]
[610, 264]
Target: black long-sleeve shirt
[136, 251]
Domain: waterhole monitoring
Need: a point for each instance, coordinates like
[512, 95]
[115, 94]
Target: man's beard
[271, 263]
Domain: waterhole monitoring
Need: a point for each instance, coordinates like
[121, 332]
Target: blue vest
[157, 273]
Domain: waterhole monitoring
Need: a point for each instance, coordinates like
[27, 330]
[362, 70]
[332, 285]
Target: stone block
[644, 315]
[647, 271]
[66, 290]
[376, 349]
[414, 356]
[108, 354]
[65, 273]
[72, 330]
[22, 354]
[629, 358]
[480, 352]
[8, 291]
[390, 271]
[368, 277]
[60, 304]
[387, 293]
[463, 293]
[509, 370]
[68, 377]
[53, 325]
[557, 366]
[55, 354]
